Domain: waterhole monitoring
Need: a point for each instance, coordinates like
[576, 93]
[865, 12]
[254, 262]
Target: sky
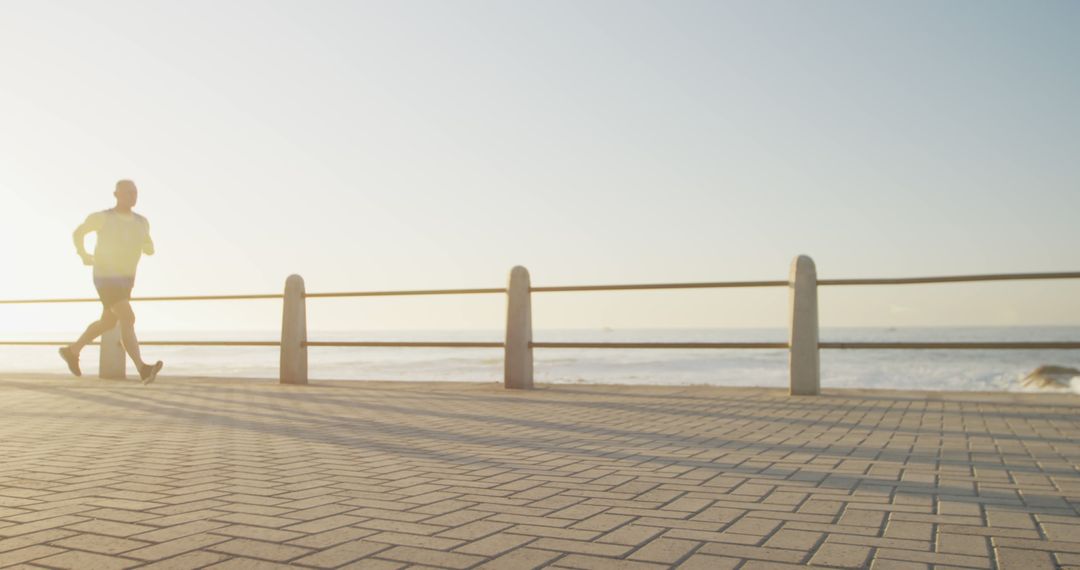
[432, 144]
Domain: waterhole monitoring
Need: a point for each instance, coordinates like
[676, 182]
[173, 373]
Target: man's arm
[92, 224]
[148, 244]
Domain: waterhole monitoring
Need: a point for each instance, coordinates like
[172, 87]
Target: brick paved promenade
[191, 474]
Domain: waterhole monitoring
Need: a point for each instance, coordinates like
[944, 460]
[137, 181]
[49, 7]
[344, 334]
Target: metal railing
[803, 345]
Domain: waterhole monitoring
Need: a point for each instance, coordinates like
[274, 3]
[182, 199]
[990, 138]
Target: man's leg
[96, 329]
[70, 353]
[126, 317]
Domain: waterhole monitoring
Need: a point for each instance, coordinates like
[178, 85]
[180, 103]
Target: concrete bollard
[518, 363]
[112, 359]
[804, 358]
[294, 368]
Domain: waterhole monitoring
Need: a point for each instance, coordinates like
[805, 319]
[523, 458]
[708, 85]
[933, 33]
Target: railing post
[804, 359]
[518, 363]
[112, 359]
[294, 369]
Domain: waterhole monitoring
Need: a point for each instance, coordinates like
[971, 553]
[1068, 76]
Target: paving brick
[1059, 531]
[935, 558]
[549, 532]
[178, 531]
[313, 513]
[323, 524]
[841, 555]
[431, 557]
[875, 542]
[997, 532]
[1024, 559]
[885, 564]
[431, 542]
[176, 546]
[1027, 544]
[909, 530]
[189, 561]
[256, 520]
[794, 539]
[709, 562]
[331, 537]
[341, 554]
[753, 525]
[763, 565]
[631, 535]
[862, 518]
[602, 522]
[99, 544]
[687, 504]
[399, 526]
[260, 549]
[586, 562]
[717, 537]
[474, 530]
[578, 512]
[13, 557]
[452, 519]
[1068, 560]
[86, 561]
[495, 544]
[562, 545]
[40, 537]
[963, 544]
[521, 559]
[1010, 519]
[665, 550]
[821, 507]
[378, 564]
[248, 564]
[27, 528]
[118, 515]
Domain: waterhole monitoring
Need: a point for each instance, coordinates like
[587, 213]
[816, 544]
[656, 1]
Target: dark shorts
[112, 290]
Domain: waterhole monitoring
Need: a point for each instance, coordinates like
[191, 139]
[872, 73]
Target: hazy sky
[408, 144]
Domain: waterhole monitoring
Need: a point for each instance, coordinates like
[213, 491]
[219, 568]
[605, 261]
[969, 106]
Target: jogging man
[122, 237]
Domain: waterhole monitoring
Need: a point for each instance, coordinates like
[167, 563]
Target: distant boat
[1049, 376]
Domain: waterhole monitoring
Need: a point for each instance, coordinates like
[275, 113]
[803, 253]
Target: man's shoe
[149, 372]
[72, 360]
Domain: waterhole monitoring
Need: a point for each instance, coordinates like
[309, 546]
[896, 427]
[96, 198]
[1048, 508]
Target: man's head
[126, 194]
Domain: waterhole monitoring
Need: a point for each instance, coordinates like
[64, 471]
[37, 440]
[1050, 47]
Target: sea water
[895, 369]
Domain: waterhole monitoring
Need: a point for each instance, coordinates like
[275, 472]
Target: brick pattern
[229, 474]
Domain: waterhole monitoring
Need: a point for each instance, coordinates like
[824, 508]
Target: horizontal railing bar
[407, 344]
[41, 301]
[708, 285]
[1034, 345]
[211, 343]
[1037, 345]
[151, 343]
[415, 292]
[209, 297]
[171, 298]
[39, 343]
[568, 288]
[780, 345]
[951, 279]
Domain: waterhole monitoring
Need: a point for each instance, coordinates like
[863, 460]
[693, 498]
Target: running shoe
[149, 372]
[72, 360]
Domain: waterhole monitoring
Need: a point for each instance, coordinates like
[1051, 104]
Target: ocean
[977, 370]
